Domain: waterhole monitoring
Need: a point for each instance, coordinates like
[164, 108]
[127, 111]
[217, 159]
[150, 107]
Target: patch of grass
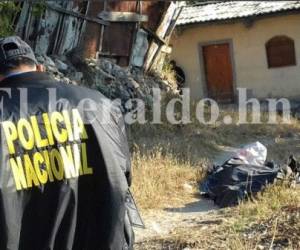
[162, 181]
[273, 221]
[270, 201]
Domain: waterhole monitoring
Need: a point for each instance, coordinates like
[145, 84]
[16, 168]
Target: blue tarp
[228, 184]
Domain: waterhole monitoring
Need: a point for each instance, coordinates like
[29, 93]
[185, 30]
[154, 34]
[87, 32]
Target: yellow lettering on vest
[61, 134]
[86, 170]
[68, 125]
[57, 165]
[30, 173]
[25, 130]
[48, 165]
[48, 128]
[18, 173]
[78, 126]
[67, 158]
[11, 135]
[40, 143]
[38, 161]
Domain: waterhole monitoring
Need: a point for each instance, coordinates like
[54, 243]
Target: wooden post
[102, 31]
[89, 44]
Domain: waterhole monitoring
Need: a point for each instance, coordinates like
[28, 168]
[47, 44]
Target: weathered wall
[67, 26]
[118, 37]
[249, 54]
[50, 32]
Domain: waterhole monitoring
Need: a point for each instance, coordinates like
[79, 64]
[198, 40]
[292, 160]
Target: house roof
[232, 10]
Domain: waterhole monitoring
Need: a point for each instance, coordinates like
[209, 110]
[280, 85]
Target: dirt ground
[198, 213]
[160, 223]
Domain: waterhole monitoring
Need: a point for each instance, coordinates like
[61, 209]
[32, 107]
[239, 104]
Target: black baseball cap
[14, 47]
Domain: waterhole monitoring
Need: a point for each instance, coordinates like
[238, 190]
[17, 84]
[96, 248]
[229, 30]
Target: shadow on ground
[201, 206]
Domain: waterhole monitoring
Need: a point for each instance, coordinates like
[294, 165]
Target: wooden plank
[115, 16]
[108, 54]
[163, 33]
[75, 14]
[166, 49]
[102, 29]
[155, 36]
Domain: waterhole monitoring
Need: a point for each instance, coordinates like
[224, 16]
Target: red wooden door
[218, 71]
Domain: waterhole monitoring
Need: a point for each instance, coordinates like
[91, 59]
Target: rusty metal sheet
[127, 6]
[118, 39]
[155, 10]
[91, 35]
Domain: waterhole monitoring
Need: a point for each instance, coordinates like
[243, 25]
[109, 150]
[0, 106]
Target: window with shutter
[280, 52]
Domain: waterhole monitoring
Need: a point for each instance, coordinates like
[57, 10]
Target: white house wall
[249, 53]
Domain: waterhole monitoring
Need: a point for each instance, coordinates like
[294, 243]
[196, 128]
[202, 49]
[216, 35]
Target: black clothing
[64, 173]
[180, 76]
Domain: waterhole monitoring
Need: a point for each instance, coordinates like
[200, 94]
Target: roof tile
[233, 9]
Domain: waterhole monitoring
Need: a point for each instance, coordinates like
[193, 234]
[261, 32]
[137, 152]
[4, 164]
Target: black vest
[64, 168]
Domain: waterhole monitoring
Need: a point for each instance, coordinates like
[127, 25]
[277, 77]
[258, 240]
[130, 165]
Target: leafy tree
[8, 13]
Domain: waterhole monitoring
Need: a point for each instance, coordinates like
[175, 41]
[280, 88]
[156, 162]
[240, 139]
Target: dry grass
[195, 142]
[167, 73]
[265, 204]
[163, 181]
[167, 158]
[272, 219]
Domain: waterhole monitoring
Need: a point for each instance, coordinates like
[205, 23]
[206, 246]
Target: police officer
[64, 166]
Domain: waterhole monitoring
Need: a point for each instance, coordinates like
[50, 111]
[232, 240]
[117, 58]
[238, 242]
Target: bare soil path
[163, 222]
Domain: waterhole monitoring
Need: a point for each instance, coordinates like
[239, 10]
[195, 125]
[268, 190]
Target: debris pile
[110, 79]
[124, 83]
[61, 69]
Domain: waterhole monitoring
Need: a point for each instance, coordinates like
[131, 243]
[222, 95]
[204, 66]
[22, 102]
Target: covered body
[229, 184]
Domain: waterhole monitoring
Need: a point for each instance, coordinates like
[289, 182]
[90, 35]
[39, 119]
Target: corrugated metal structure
[111, 29]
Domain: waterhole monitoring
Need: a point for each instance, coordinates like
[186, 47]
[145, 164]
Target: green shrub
[8, 13]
